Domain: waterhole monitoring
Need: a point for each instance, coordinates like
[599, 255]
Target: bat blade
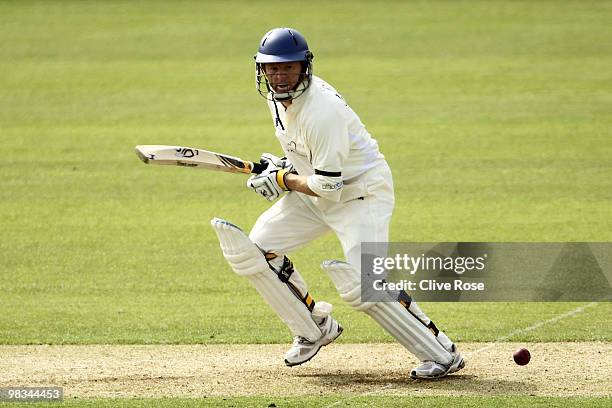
[193, 157]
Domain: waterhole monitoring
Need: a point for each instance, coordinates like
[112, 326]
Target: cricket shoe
[303, 350]
[430, 370]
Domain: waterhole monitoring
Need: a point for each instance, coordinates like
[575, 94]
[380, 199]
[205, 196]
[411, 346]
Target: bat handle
[258, 168]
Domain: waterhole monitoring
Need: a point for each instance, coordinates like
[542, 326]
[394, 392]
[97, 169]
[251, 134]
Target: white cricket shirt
[324, 139]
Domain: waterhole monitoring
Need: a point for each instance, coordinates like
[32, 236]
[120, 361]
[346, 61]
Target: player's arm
[299, 183]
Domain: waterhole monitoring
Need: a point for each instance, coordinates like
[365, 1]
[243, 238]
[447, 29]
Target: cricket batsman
[333, 178]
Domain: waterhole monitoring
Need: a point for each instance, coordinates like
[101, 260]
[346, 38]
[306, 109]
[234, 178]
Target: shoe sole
[444, 374]
[290, 364]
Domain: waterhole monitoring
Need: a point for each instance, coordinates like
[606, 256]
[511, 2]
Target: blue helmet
[283, 45]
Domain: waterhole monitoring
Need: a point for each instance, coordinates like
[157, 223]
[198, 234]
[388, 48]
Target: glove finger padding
[270, 159]
[274, 162]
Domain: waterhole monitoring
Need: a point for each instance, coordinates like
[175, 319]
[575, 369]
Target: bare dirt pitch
[556, 369]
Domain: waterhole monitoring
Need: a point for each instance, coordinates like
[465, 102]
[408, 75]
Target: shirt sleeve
[328, 141]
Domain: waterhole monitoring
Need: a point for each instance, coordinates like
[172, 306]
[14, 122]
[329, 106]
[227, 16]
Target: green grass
[332, 400]
[494, 116]
[496, 119]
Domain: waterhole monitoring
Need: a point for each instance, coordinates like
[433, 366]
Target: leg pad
[246, 259]
[409, 327]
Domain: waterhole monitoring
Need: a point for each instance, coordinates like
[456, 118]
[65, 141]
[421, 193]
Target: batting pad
[410, 331]
[246, 259]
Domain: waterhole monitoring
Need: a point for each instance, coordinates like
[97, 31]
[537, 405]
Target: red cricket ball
[521, 356]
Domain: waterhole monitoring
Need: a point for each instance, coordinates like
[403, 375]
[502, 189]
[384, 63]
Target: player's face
[283, 76]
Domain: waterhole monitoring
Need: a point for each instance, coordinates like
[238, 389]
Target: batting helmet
[283, 45]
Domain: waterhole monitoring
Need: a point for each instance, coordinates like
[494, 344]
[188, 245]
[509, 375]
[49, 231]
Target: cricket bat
[197, 158]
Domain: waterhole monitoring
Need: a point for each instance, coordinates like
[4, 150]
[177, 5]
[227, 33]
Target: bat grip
[258, 168]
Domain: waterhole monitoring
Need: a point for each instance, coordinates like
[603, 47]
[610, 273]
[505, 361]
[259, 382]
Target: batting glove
[270, 184]
[274, 161]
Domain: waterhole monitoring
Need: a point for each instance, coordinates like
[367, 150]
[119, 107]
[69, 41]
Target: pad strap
[284, 275]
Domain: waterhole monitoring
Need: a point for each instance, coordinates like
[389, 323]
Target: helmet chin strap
[277, 120]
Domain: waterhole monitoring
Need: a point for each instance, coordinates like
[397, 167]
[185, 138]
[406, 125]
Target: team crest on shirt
[295, 148]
